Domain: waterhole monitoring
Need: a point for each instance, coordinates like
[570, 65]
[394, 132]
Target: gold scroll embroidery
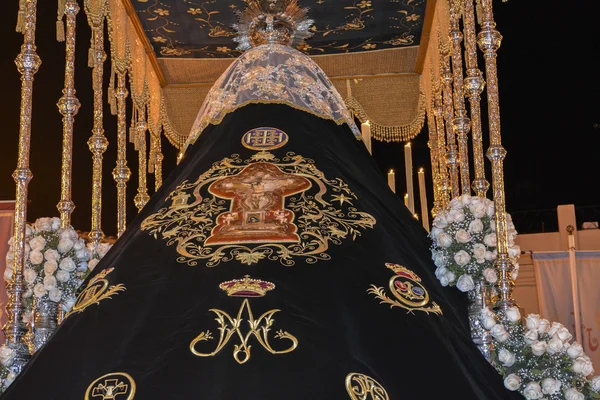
[258, 208]
[363, 387]
[96, 290]
[113, 386]
[408, 290]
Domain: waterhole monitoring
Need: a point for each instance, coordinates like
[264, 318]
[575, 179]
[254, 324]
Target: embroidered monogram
[96, 290]
[363, 387]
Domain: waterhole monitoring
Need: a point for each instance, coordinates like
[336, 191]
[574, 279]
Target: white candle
[392, 180]
[365, 129]
[409, 177]
[423, 195]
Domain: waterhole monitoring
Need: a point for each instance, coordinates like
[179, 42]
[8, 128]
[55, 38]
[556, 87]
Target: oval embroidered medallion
[264, 138]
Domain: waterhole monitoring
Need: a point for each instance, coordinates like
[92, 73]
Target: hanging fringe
[479, 11]
[60, 26]
[21, 17]
[112, 98]
[91, 58]
[152, 159]
[133, 129]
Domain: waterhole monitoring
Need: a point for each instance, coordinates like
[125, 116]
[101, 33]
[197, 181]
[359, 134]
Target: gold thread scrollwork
[408, 291]
[363, 387]
[96, 290]
[113, 386]
[229, 326]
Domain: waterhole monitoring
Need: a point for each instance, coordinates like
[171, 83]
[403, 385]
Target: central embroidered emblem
[260, 208]
[114, 386]
[257, 213]
[230, 326]
[363, 387]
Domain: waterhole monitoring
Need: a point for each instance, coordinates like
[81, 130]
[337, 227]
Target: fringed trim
[60, 26]
[385, 133]
[174, 137]
[21, 17]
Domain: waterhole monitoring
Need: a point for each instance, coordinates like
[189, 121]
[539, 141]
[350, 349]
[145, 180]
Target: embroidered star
[341, 198]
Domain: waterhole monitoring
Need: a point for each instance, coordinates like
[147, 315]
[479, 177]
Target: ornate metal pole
[157, 162]
[489, 40]
[28, 63]
[121, 173]
[452, 153]
[141, 198]
[435, 162]
[97, 142]
[438, 112]
[461, 124]
[474, 84]
[68, 106]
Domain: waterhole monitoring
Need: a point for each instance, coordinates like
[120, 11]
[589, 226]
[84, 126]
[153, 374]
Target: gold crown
[272, 21]
[247, 287]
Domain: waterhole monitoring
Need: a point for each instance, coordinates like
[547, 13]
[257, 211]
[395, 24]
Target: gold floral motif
[316, 212]
[96, 290]
[229, 326]
[408, 290]
[113, 386]
[363, 387]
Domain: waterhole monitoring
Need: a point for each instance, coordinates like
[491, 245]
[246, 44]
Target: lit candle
[406, 199]
[392, 180]
[365, 129]
[409, 177]
[423, 195]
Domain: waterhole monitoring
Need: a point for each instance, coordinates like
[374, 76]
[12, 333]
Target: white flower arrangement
[464, 243]
[538, 358]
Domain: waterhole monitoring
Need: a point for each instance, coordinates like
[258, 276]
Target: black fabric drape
[146, 329]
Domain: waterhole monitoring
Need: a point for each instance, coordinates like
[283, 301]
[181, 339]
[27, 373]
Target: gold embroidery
[113, 386]
[264, 139]
[270, 206]
[229, 326]
[363, 387]
[407, 288]
[96, 290]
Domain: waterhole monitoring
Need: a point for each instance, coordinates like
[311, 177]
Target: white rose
[456, 216]
[465, 199]
[36, 257]
[55, 223]
[563, 334]
[39, 290]
[488, 322]
[583, 365]
[539, 347]
[49, 282]
[555, 345]
[573, 394]
[514, 251]
[50, 267]
[37, 243]
[43, 224]
[28, 293]
[27, 317]
[62, 276]
[506, 358]
[499, 333]
[465, 283]
[83, 267]
[513, 314]
[550, 386]
[490, 240]
[64, 245]
[532, 391]
[55, 295]
[65, 234]
[532, 321]
[28, 230]
[440, 221]
[490, 256]
[490, 209]
[544, 326]
[462, 258]
[531, 336]
[515, 272]
[103, 248]
[476, 226]
[7, 355]
[462, 236]
[82, 255]
[444, 240]
[10, 378]
[51, 255]
[554, 328]
[478, 210]
[575, 350]
[29, 275]
[433, 234]
[595, 383]
[8, 274]
[92, 264]
[512, 382]
[67, 264]
[440, 260]
[490, 275]
[479, 252]
[80, 244]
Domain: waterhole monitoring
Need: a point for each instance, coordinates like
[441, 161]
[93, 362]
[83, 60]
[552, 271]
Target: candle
[423, 195]
[409, 177]
[406, 199]
[392, 180]
[365, 129]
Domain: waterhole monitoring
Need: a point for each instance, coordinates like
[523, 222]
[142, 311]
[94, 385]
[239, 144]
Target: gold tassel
[21, 17]
[479, 11]
[60, 30]
[112, 98]
[151, 160]
[91, 58]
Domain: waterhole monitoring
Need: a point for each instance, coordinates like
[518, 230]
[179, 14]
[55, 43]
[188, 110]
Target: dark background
[550, 112]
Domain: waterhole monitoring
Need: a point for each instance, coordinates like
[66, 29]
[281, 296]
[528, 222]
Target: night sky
[549, 103]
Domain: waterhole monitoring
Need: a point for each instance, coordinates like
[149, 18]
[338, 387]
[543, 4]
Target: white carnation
[465, 283]
[512, 382]
[532, 391]
[490, 275]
